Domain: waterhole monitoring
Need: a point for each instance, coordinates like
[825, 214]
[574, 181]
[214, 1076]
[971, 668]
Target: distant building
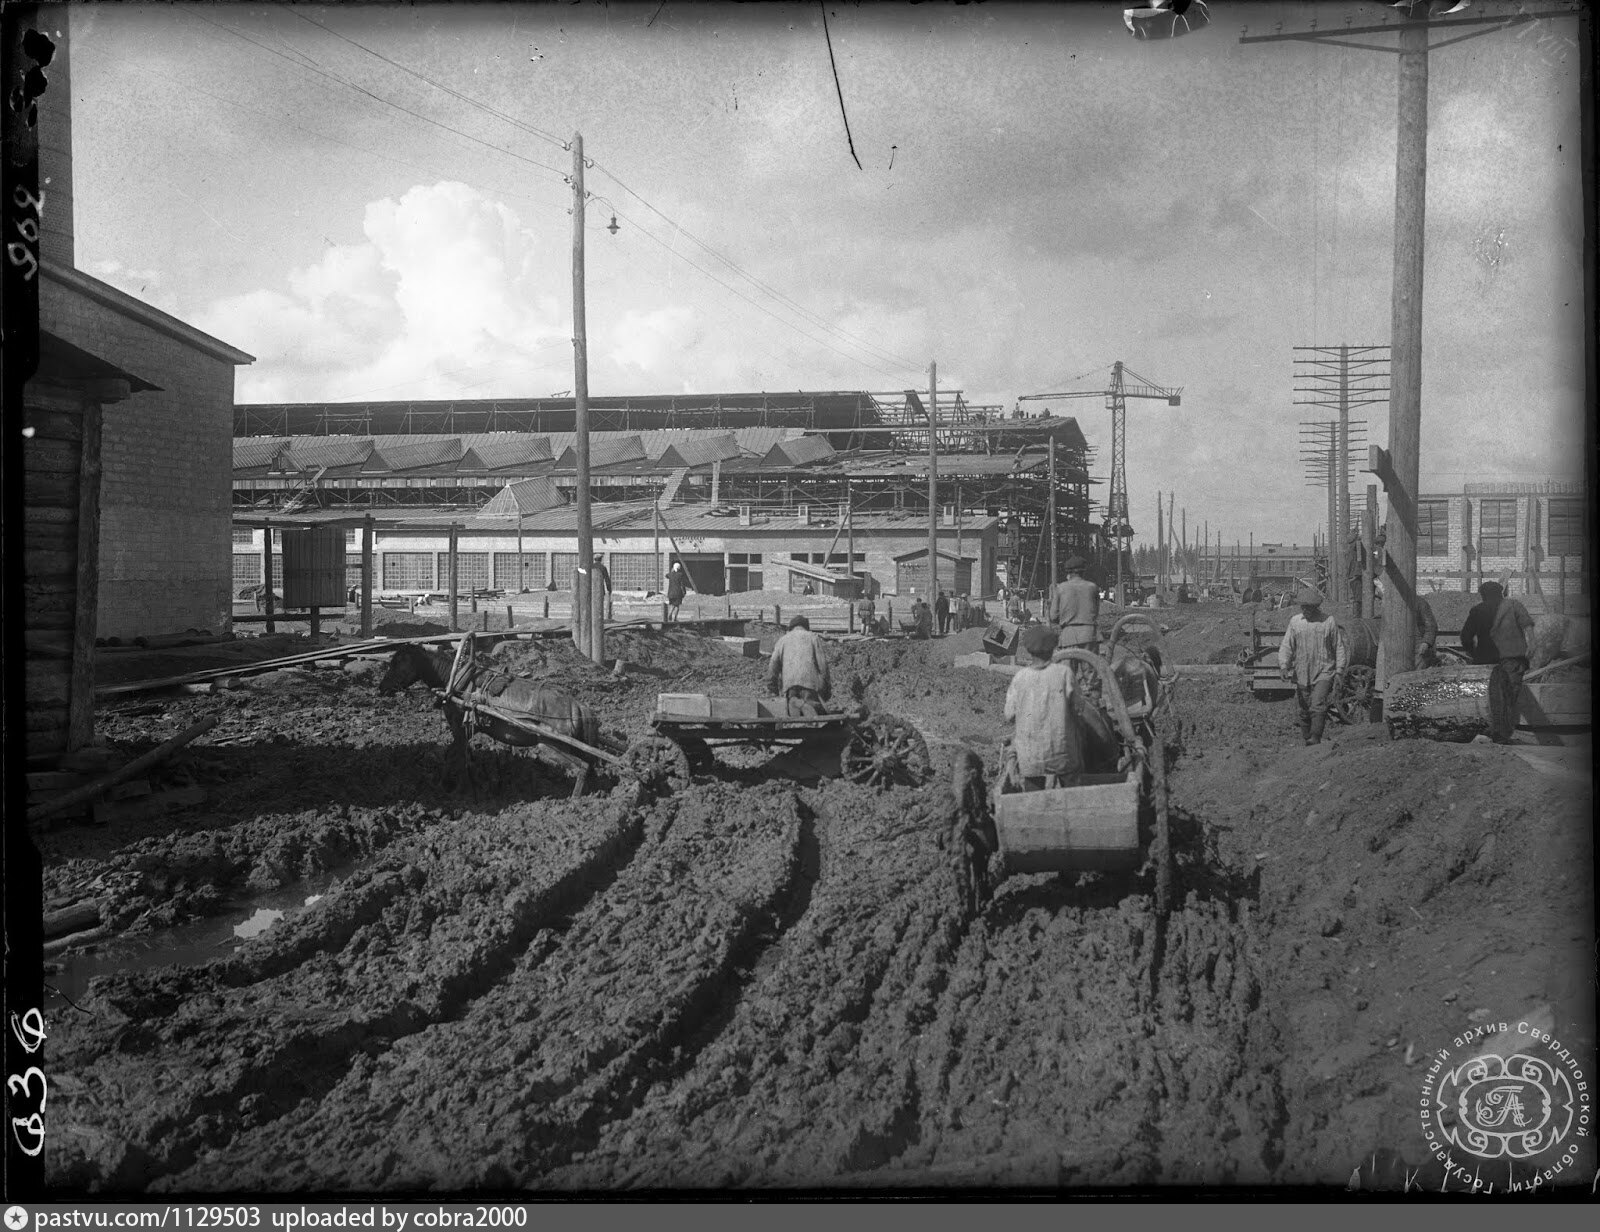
[1532, 536]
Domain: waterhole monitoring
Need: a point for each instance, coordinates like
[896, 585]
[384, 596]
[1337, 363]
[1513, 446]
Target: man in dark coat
[1496, 631]
[677, 587]
[941, 613]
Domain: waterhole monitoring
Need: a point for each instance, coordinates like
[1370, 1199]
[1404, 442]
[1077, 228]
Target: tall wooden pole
[587, 634]
[1183, 546]
[1161, 547]
[522, 569]
[366, 575]
[850, 540]
[1399, 640]
[933, 480]
[1050, 505]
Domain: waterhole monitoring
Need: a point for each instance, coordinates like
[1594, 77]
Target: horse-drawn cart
[1111, 819]
[876, 750]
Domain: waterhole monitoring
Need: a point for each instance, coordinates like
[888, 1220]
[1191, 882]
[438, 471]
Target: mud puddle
[241, 919]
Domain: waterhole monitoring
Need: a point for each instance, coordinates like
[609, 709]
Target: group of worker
[1315, 655]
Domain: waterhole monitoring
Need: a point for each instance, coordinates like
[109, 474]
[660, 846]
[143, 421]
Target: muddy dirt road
[765, 980]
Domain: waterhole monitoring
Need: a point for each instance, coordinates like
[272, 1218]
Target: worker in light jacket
[1314, 655]
[798, 670]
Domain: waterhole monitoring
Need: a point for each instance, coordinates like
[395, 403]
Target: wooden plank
[48, 682]
[58, 490]
[48, 515]
[49, 562]
[80, 725]
[42, 456]
[135, 767]
[53, 425]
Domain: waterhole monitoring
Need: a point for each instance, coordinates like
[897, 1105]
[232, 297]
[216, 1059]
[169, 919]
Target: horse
[516, 695]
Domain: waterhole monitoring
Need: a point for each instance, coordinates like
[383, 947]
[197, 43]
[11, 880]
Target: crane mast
[1118, 529]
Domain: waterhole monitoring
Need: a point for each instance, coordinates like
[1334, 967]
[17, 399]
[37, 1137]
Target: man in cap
[798, 671]
[1496, 631]
[1039, 700]
[1075, 607]
[1314, 656]
[941, 613]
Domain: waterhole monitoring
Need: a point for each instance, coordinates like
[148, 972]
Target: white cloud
[445, 298]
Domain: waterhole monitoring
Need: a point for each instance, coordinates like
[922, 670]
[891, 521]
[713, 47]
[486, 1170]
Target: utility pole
[933, 480]
[588, 634]
[1399, 466]
[1050, 505]
[1161, 548]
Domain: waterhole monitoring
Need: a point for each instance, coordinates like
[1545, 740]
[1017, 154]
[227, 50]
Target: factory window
[472, 570]
[243, 537]
[505, 571]
[634, 571]
[1433, 528]
[563, 566]
[1497, 528]
[352, 536]
[747, 558]
[246, 570]
[1566, 528]
[407, 571]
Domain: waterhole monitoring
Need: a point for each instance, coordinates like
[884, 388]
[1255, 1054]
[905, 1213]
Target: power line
[807, 314]
[375, 97]
[509, 119]
[760, 306]
[798, 308]
[903, 365]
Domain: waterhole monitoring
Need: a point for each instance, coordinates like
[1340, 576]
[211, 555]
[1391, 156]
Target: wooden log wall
[52, 505]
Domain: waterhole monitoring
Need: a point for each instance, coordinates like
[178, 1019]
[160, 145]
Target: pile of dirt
[1408, 890]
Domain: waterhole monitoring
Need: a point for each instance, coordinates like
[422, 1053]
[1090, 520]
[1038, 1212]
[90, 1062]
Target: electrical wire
[496, 112]
[189, 12]
[901, 366]
[812, 317]
[759, 306]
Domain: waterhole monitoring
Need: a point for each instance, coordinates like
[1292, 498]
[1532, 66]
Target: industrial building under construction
[793, 476]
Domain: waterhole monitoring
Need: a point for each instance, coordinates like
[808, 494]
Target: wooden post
[266, 569]
[455, 579]
[589, 641]
[316, 622]
[1369, 534]
[510, 619]
[933, 479]
[1050, 505]
[485, 624]
[85, 609]
[1398, 645]
[522, 567]
[367, 536]
[545, 610]
[850, 533]
[655, 546]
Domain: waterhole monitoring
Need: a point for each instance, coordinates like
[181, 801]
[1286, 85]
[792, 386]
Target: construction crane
[1125, 384]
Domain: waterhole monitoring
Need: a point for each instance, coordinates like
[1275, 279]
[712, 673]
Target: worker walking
[941, 613]
[677, 587]
[798, 671]
[1075, 607]
[963, 616]
[1314, 656]
[1496, 631]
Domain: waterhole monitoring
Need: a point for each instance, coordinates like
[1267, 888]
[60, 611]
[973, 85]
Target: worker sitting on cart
[798, 671]
[1040, 701]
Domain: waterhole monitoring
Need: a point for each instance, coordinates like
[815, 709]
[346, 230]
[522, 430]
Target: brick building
[166, 451]
[1532, 536]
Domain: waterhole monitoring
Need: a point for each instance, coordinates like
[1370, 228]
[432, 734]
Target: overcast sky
[1039, 195]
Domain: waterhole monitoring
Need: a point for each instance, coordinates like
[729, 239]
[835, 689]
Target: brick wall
[1455, 570]
[166, 492]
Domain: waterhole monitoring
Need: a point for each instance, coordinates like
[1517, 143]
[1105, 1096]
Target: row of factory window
[1498, 523]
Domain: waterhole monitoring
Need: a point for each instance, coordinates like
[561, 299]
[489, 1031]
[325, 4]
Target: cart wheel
[882, 750]
[1161, 840]
[658, 763]
[701, 759]
[973, 838]
[1353, 704]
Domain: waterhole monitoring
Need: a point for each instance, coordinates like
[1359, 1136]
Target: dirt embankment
[759, 983]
